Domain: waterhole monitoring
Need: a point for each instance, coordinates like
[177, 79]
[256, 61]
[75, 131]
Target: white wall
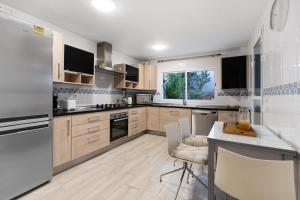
[201, 63]
[281, 53]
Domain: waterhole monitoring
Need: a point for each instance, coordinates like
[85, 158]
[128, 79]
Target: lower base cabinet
[85, 144]
[62, 140]
[137, 120]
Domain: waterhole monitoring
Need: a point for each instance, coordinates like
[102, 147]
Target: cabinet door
[150, 82]
[153, 118]
[58, 57]
[61, 140]
[141, 77]
[153, 78]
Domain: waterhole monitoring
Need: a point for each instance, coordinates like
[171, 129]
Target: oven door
[118, 128]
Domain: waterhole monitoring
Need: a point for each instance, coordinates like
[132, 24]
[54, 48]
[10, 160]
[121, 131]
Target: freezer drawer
[26, 160]
[203, 121]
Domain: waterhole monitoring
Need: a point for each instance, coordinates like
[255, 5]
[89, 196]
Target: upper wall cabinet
[70, 76]
[142, 77]
[58, 57]
[150, 77]
[234, 72]
[129, 80]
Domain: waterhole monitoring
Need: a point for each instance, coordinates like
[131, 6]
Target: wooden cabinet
[90, 132]
[89, 118]
[120, 79]
[62, 139]
[153, 118]
[168, 115]
[90, 142]
[228, 116]
[137, 118]
[141, 77]
[59, 73]
[58, 57]
[150, 77]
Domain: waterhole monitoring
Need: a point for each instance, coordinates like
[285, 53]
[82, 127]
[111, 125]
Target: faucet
[184, 101]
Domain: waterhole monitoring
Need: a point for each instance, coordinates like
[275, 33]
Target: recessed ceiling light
[104, 5]
[159, 47]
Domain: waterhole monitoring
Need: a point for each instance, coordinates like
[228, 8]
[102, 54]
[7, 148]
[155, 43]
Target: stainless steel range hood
[104, 59]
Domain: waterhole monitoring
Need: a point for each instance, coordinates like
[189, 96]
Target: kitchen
[87, 109]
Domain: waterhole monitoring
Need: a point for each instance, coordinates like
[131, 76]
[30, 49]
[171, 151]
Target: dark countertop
[57, 113]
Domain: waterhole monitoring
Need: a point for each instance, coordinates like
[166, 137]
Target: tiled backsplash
[234, 93]
[284, 89]
[94, 95]
[95, 91]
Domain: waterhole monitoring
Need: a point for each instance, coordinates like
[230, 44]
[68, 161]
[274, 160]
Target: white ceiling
[186, 26]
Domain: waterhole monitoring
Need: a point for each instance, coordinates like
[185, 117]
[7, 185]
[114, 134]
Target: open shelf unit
[79, 78]
[121, 83]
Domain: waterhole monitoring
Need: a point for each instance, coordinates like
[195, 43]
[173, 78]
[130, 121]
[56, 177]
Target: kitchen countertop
[265, 138]
[84, 110]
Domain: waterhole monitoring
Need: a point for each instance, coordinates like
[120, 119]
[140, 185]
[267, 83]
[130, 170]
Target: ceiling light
[104, 5]
[159, 47]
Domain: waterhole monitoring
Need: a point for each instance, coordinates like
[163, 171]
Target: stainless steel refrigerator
[25, 107]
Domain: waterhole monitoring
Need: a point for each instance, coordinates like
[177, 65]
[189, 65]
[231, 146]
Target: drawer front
[137, 112]
[133, 112]
[174, 114]
[133, 119]
[89, 143]
[167, 113]
[89, 118]
[90, 128]
[133, 128]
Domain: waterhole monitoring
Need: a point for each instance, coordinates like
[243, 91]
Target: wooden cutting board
[235, 130]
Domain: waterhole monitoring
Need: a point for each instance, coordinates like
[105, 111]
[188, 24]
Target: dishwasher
[203, 120]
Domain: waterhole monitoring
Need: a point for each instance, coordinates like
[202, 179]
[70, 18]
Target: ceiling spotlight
[104, 5]
[159, 47]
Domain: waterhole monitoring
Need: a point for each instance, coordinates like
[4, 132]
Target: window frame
[186, 79]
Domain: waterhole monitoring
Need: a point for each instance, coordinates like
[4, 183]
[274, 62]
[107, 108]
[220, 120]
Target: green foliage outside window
[200, 85]
[174, 85]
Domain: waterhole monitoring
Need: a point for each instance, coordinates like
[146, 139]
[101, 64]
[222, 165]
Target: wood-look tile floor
[128, 172]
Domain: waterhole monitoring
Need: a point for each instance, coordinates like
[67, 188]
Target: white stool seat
[191, 154]
[196, 141]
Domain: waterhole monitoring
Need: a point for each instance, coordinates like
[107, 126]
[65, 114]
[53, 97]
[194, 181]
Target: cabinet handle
[68, 124]
[58, 69]
[93, 119]
[174, 112]
[94, 129]
[92, 139]
[134, 112]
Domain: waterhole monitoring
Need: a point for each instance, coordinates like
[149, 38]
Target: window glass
[173, 85]
[201, 85]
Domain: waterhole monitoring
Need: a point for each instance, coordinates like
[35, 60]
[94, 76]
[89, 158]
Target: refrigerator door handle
[23, 127]
[23, 120]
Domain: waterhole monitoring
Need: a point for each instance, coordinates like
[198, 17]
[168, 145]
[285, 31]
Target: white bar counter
[266, 145]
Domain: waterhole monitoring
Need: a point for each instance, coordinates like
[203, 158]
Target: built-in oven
[118, 125]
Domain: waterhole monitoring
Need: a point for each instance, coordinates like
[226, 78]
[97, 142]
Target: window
[173, 85]
[201, 85]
